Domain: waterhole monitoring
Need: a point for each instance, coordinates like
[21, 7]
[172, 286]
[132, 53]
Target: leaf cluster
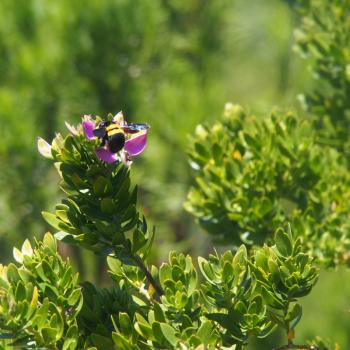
[285, 274]
[234, 300]
[253, 175]
[237, 297]
[324, 37]
[99, 212]
[39, 299]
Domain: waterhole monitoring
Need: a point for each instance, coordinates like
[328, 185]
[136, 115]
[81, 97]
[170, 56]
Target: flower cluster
[134, 144]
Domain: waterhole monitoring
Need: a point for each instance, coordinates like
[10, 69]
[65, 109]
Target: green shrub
[239, 296]
[324, 38]
[39, 298]
[253, 175]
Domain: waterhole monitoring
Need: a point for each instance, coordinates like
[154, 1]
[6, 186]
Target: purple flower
[88, 127]
[134, 144]
[106, 155]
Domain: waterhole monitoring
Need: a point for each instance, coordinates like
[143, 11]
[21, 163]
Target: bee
[113, 134]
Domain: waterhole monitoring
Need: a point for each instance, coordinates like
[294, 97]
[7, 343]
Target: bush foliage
[241, 295]
[254, 175]
[274, 190]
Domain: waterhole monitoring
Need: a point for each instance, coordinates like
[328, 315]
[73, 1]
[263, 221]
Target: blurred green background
[170, 63]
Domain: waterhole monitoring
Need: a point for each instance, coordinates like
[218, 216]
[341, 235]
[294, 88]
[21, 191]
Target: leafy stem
[159, 290]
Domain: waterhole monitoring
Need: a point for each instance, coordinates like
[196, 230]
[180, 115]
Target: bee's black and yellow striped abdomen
[115, 137]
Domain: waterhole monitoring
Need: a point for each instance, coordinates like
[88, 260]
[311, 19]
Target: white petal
[27, 248]
[44, 148]
[17, 255]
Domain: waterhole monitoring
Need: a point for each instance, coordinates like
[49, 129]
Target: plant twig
[159, 290]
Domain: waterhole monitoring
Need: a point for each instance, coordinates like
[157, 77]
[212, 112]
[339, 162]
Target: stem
[148, 275]
[291, 335]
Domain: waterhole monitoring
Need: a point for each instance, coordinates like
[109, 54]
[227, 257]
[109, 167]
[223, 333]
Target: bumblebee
[113, 134]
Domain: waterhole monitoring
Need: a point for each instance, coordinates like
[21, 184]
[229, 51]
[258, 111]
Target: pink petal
[88, 127]
[136, 144]
[71, 129]
[106, 155]
[119, 118]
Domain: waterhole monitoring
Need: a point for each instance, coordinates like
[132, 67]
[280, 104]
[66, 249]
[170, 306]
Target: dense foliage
[240, 296]
[40, 298]
[64, 59]
[254, 175]
[273, 189]
[324, 36]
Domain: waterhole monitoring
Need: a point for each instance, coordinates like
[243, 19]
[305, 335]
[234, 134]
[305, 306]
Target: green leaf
[125, 323]
[240, 257]
[100, 341]
[48, 271]
[101, 186]
[169, 334]
[164, 273]
[120, 341]
[56, 322]
[158, 312]
[74, 297]
[206, 270]
[50, 291]
[201, 150]
[217, 153]
[114, 265]
[265, 206]
[250, 140]
[294, 315]
[229, 321]
[204, 332]
[50, 242]
[49, 335]
[261, 259]
[62, 215]
[65, 237]
[273, 267]
[51, 219]
[283, 243]
[177, 273]
[138, 240]
[157, 332]
[107, 205]
[227, 273]
[70, 344]
[144, 329]
[12, 274]
[276, 318]
[21, 293]
[26, 275]
[272, 299]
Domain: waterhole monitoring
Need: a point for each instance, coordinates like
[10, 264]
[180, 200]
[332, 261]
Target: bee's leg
[103, 141]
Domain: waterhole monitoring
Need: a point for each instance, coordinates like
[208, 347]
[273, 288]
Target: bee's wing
[133, 128]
